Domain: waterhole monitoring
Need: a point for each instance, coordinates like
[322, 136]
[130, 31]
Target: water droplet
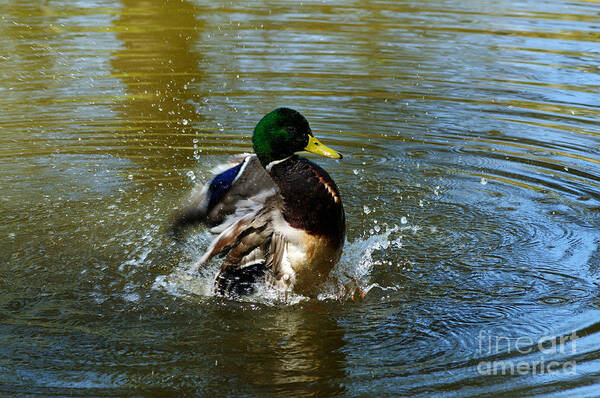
[403, 220]
[366, 209]
[191, 175]
[483, 181]
[355, 171]
[420, 203]
[377, 228]
[184, 122]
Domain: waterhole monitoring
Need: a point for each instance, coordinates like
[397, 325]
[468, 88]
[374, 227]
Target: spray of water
[349, 280]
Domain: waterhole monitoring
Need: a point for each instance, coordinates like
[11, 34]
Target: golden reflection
[295, 352]
[159, 68]
[28, 63]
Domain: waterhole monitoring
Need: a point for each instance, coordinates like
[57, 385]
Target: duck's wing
[247, 246]
[256, 257]
[242, 186]
[252, 250]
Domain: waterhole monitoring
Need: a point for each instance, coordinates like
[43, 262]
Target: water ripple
[470, 183]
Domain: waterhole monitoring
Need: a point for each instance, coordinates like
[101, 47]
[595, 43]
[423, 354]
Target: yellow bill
[315, 146]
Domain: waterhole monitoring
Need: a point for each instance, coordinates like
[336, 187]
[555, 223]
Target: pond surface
[470, 179]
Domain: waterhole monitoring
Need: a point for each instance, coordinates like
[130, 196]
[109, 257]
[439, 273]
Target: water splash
[349, 279]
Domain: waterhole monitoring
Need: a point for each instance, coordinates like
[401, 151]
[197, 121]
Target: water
[470, 180]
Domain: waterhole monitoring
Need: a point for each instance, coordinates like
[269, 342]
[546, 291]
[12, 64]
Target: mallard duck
[278, 216]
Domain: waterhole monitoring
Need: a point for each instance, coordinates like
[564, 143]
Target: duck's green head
[283, 132]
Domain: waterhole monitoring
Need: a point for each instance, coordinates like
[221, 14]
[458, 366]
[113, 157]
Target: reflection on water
[158, 68]
[470, 180]
[295, 351]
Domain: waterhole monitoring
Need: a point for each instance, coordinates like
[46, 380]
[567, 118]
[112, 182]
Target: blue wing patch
[221, 184]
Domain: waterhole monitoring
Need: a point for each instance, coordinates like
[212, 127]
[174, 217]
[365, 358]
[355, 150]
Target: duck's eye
[316, 144]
